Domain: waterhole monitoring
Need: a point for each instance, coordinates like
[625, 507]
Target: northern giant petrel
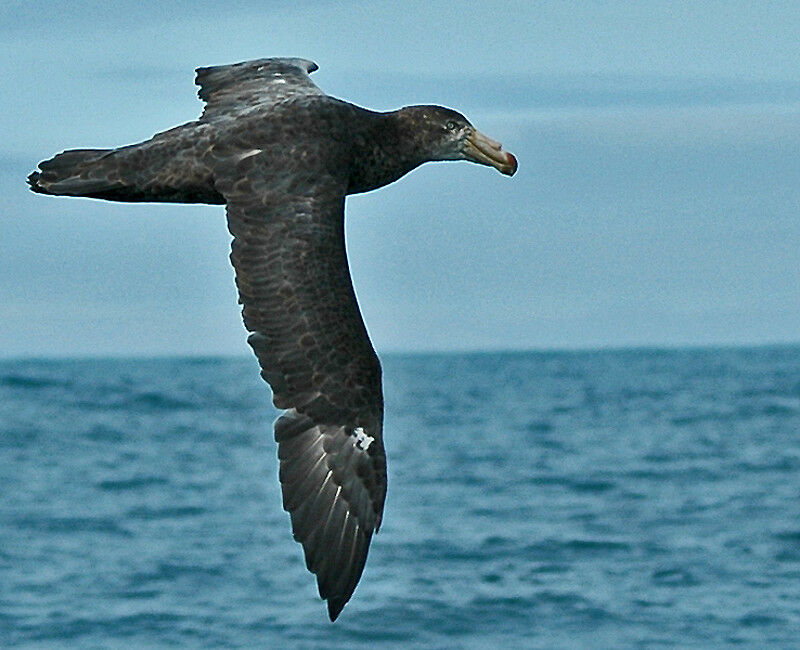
[282, 156]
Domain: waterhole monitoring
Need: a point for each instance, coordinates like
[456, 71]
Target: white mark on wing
[363, 440]
[247, 154]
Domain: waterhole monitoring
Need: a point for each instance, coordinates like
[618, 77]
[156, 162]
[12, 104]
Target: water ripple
[637, 498]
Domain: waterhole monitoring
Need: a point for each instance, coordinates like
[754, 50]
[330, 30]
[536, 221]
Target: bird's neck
[384, 150]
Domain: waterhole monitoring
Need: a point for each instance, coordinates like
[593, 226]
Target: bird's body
[282, 156]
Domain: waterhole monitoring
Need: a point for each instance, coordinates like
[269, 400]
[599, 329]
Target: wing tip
[335, 607]
[215, 79]
[307, 64]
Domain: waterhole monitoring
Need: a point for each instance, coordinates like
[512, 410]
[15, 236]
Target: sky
[657, 201]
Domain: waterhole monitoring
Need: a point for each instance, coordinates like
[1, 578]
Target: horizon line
[588, 349]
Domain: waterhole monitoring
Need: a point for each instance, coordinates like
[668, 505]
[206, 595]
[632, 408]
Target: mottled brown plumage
[282, 156]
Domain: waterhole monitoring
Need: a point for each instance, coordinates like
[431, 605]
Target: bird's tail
[73, 173]
[167, 168]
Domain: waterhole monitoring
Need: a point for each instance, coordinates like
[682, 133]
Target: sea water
[635, 498]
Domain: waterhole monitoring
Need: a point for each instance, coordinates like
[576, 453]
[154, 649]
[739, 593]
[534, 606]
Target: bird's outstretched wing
[239, 87]
[307, 332]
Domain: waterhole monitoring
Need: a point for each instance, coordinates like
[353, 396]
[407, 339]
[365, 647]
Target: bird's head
[444, 134]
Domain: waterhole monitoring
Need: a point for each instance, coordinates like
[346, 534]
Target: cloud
[505, 91]
[754, 124]
[656, 199]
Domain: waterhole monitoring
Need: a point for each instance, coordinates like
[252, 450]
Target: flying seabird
[282, 156]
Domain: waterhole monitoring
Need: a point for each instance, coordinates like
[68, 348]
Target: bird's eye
[451, 125]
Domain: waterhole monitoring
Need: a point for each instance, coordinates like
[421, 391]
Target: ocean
[612, 499]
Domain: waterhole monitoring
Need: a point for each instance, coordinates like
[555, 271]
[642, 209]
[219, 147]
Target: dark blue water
[609, 499]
